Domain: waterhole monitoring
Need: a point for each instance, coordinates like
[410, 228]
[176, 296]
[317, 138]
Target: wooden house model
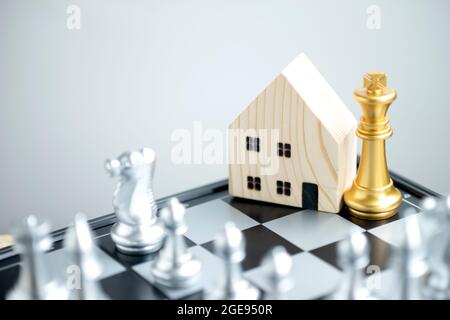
[300, 129]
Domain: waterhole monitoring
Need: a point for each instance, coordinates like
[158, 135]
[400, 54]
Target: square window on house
[284, 188]
[254, 183]
[280, 149]
[280, 187]
[250, 184]
[252, 144]
[287, 188]
[257, 183]
[287, 150]
[284, 150]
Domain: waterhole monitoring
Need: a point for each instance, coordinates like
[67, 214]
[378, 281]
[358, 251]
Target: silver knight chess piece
[137, 230]
[175, 267]
[36, 279]
[80, 248]
[230, 246]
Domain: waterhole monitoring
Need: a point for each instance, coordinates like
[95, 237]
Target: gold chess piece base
[373, 204]
[373, 195]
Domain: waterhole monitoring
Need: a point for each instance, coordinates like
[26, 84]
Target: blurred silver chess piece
[79, 243]
[277, 266]
[137, 230]
[36, 279]
[410, 260]
[175, 266]
[435, 213]
[437, 286]
[353, 258]
[230, 246]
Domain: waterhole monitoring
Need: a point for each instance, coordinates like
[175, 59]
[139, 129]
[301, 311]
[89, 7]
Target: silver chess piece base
[137, 239]
[186, 276]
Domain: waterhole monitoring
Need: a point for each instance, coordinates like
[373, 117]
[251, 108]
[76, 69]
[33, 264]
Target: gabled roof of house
[320, 97]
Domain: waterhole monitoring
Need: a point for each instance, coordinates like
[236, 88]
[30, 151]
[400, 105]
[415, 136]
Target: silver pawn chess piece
[82, 282]
[437, 285]
[36, 281]
[277, 266]
[230, 246]
[175, 267]
[137, 230]
[353, 258]
[410, 260]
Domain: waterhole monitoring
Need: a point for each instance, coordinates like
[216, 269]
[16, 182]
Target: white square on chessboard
[206, 220]
[313, 277]
[310, 229]
[393, 232]
[58, 260]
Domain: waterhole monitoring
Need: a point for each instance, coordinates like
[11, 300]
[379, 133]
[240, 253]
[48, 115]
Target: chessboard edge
[190, 196]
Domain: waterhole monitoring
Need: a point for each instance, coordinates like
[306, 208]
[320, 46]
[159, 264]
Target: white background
[138, 70]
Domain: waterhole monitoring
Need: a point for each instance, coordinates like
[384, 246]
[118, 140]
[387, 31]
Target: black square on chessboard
[128, 285]
[107, 244]
[370, 224]
[8, 277]
[259, 240]
[260, 211]
[380, 252]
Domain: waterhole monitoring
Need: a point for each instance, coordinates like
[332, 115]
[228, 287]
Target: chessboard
[310, 237]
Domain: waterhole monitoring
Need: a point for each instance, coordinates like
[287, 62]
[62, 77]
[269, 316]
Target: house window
[284, 187]
[257, 183]
[254, 183]
[284, 150]
[287, 189]
[287, 150]
[252, 144]
[280, 149]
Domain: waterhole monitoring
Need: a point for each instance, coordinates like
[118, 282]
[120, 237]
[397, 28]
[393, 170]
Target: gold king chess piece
[373, 195]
